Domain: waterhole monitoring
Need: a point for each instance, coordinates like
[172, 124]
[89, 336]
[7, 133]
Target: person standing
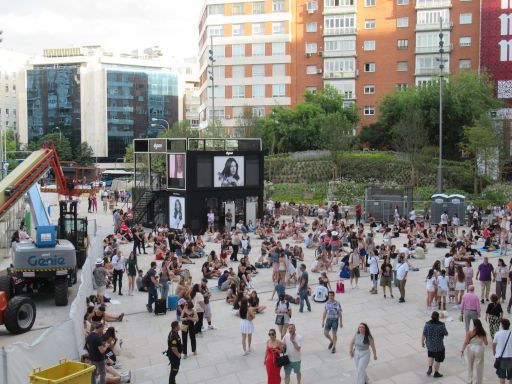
[354, 262]
[205, 291]
[188, 319]
[136, 240]
[174, 349]
[469, 306]
[246, 315]
[97, 348]
[142, 237]
[151, 284]
[484, 274]
[360, 351]
[100, 280]
[229, 220]
[132, 268]
[402, 271]
[119, 264]
[475, 343]
[283, 314]
[494, 314]
[501, 276]
[502, 349]
[386, 276]
[303, 289]
[272, 351]
[434, 332]
[293, 343]
[331, 320]
[235, 245]
[117, 220]
[359, 213]
[210, 217]
[373, 260]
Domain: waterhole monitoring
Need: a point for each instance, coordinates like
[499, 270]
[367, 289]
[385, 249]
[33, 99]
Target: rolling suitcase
[172, 302]
[160, 307]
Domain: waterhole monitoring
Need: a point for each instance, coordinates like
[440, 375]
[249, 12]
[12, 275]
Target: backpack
[146, 280]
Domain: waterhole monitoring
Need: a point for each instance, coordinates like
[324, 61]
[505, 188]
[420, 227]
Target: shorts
[335, 248]
[293, 365]
[438, 356]
[441, 292]
[208, 311]
[275, 267]
[331, 325]
[354, 272]
[101, 290]
[505, 369]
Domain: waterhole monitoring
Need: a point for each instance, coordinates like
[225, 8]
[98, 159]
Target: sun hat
[99, 261]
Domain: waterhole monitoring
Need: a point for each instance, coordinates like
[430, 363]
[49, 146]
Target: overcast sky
[31, 25]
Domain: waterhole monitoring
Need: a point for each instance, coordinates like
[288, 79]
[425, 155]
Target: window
[258, 90]
[238, 50]
[465, 41]
[238, 112]
[258, 111]
[312, 5]
[219, 91]
[238, 91]
[338, 3]
[219, 51]
[218, 113]
[238, 9]
[277, 5]
[238, 29]
[429, 41]
[216, 30]
[258, 29]
[339, 65]
[311, 89]
[402, 66]
[340, 45]
[278, 49]
[7, 110]
[278, 70]
[311, 47]
[311, 27]
[401, 87]
[402, 2]
[218, 72]
[258, 70]
[402, 44]
[311, 70]
[369, 3]
[238, 71]
[14, 87]
[258, 8]
[216, 9]
[466, 18]
[369, 45]
[402, 22]
[369, 89]
[369, 24]
[465, 64]
[369, 110]
[278, 28]
[278, 90]
[369, 67]
[433, 17]
[258, 49]
[334, 25]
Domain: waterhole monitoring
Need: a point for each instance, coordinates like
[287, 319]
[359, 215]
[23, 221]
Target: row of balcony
[354, 74]
[420, 4]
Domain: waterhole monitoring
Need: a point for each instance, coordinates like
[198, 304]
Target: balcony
[340, 75]
[433, 49]
[339, 31]
[339, 10]
[447, 26]
[430, 71]
[339, 53]
[423, 4]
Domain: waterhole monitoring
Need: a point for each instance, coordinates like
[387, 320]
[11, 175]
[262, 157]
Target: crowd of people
[341, 243]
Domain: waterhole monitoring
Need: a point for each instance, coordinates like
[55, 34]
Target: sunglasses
[271, 334]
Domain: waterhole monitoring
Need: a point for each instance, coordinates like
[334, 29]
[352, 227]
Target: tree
[84, 155]
[466, 97]
[246, 123]
[180, 129]
[61, 143]
[482, 142]
[376, 136]
[410, 137]
[215, 130]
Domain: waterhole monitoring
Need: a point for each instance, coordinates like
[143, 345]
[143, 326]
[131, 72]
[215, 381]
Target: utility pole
[211, 60]
[441, 75]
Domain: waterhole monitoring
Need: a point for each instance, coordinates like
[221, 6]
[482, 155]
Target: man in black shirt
[96, 349]
[174, 349]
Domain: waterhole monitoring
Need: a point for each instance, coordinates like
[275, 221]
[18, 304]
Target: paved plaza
[396, 328]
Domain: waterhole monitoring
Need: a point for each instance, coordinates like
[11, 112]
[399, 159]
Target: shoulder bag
[497, 362]
[282, 360]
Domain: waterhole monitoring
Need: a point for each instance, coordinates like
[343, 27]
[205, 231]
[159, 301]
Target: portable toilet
[439, 205]
[457, 205]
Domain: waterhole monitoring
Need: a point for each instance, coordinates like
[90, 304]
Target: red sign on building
[496, 45]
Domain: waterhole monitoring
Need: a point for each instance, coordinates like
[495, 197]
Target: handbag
[497, 362]
[279, 320]
[282, 360]
[184, 327]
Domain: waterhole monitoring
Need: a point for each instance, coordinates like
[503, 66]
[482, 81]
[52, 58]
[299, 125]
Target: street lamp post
[154, 119]
[211, 60]
[441, 70]
[158, 126]
[60, 134]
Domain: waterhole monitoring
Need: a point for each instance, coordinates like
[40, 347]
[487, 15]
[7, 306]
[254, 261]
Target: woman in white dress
[246, 315]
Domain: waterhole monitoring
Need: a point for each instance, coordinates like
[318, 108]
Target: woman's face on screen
[233, 168]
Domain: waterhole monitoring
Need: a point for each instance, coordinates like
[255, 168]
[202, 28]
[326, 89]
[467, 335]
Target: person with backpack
[150, 281]
[283, 314]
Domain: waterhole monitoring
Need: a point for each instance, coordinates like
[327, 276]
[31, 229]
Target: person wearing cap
[97, 348]
[100, 280]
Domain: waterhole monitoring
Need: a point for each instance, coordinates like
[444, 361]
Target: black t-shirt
[93, 342]
[151, 273]
[174, 340]
[494, 309]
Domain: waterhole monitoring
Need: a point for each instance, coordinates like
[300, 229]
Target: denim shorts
[295, 365]
[331, 325]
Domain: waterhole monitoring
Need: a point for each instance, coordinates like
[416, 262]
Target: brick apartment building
[269, 52]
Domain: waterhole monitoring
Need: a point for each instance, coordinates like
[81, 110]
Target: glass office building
[53, 100]
[134, 97]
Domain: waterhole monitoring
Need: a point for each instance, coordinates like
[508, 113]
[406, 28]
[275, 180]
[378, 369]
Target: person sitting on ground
[254, 302]
[99, 315]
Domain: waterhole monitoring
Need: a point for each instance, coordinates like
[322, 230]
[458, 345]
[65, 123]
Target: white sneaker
[245, 353]
[203, 329]
[211, 327]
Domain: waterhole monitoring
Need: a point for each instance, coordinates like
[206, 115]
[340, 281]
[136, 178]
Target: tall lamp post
[441, 61]
[154, 119]
[60, 134]
[211, 61]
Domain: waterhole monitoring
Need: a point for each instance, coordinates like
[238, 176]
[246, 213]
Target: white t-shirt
[500, 338]
[198, 298]
[442, 282]
[447, 261]
[374, 265]
[430, 284]
[401, 270]
[320, 293]
[444, 218]
[404, 250]
[292, 353]
[412, 215]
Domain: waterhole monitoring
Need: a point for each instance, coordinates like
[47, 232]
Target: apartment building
[269, 52]
[11, 66]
